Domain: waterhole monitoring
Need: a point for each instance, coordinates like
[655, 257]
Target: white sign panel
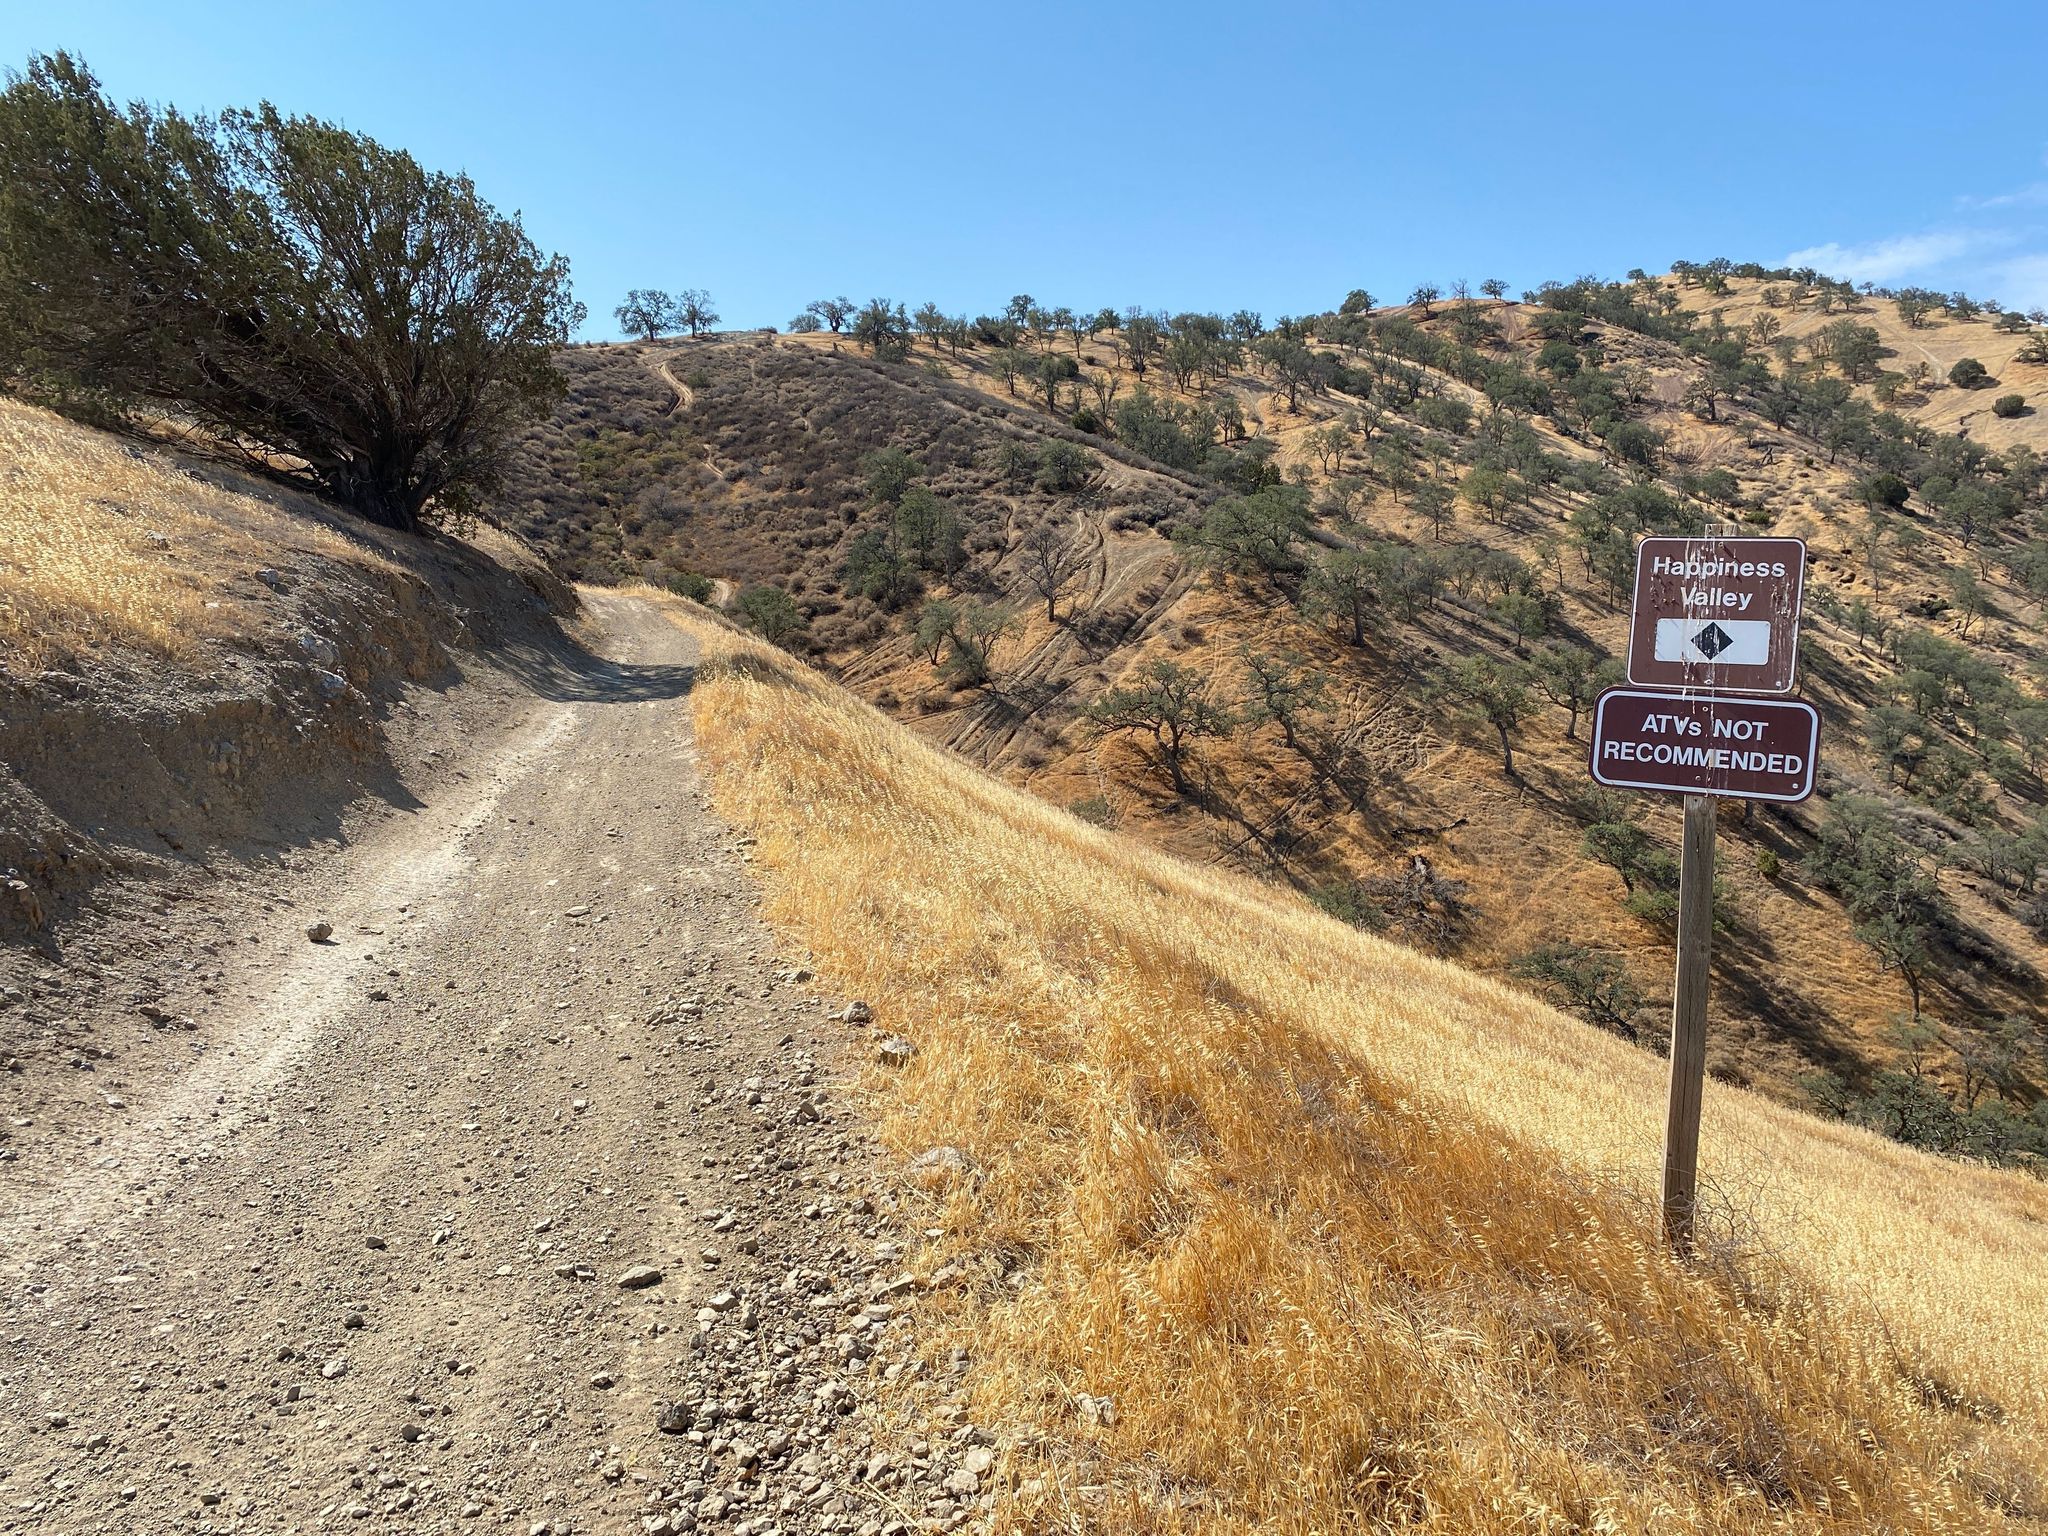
[1724, 642]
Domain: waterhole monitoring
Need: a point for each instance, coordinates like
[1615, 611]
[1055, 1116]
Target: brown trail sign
[1717, 613]
[1714, 618]
[1705, 744]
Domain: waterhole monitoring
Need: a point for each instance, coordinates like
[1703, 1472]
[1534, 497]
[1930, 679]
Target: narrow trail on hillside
[685, 396]
[365, 1254]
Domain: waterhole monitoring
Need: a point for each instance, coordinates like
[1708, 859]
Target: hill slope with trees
[1328, 597]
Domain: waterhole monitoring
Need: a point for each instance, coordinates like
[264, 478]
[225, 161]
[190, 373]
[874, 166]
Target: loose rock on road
[523, 1197]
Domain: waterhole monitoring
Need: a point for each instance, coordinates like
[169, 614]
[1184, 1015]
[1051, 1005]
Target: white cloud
[1882, 261]
[2033, 195]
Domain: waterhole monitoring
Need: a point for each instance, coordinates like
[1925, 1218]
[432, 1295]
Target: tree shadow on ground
[568, 674]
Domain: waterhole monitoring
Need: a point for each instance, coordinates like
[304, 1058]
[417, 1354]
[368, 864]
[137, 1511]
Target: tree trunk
[376, 492]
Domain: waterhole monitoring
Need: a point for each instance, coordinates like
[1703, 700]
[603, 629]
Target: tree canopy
[368, 328]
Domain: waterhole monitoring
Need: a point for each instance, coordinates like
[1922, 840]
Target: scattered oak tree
[647, 313]
[928, 529]
[889, 472]
[1064, 467]
[1490, 693]
[693, 311]
[1592, 983]
[771, 613]
[884, 329]
[961, 639]
[1887, 885]
[1284, 688]
[1252, 534]
[1050, 561]
[1571, 677]
[831, 313]
[1345, 585]
[1171, 703]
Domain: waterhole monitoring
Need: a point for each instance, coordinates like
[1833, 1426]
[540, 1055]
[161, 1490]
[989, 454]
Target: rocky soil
[488, 1170]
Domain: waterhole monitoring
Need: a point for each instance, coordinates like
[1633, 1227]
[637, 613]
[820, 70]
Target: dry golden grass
[1354, 1239]
[1517, 853]
[1941, 342]
[102, 546]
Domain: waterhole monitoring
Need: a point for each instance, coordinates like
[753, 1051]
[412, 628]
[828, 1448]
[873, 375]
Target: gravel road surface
[527, 1197]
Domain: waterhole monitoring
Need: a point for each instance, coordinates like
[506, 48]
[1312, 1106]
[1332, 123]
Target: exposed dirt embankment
[195, 666]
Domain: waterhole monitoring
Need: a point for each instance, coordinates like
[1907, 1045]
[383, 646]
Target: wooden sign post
[1689, 1023]
[1714, 618]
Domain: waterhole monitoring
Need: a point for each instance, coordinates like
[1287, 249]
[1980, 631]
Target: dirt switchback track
[355, 1261]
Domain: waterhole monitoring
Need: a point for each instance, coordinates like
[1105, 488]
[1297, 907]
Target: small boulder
[639, 1277]
[1099, 1411]
[673, 1418]
[316, 648]
[936, 1167]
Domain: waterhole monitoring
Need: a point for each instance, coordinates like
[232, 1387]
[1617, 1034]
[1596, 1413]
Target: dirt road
[357, 1244]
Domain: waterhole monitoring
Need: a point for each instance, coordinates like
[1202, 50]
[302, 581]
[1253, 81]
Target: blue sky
[1178, 155]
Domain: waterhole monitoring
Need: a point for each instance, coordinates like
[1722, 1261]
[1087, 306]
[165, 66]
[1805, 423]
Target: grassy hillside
[193, 661]
[1917, 355]
[1483, 468]
[1194, 1158]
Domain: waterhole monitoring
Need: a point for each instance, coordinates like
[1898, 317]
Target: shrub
[1064, 467]
[1593, 984]
[772, 613]
[1346, 901]
[1094, 809]
[696, 588]
[2009, 405]
[1969, 374]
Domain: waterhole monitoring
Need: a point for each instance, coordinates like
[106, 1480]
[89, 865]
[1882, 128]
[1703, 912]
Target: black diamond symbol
[1712, 641]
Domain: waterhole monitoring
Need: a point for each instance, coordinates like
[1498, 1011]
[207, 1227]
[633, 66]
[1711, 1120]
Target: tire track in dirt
[359, 1257]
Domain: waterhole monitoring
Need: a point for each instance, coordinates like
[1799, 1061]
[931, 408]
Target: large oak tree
[343, 317]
